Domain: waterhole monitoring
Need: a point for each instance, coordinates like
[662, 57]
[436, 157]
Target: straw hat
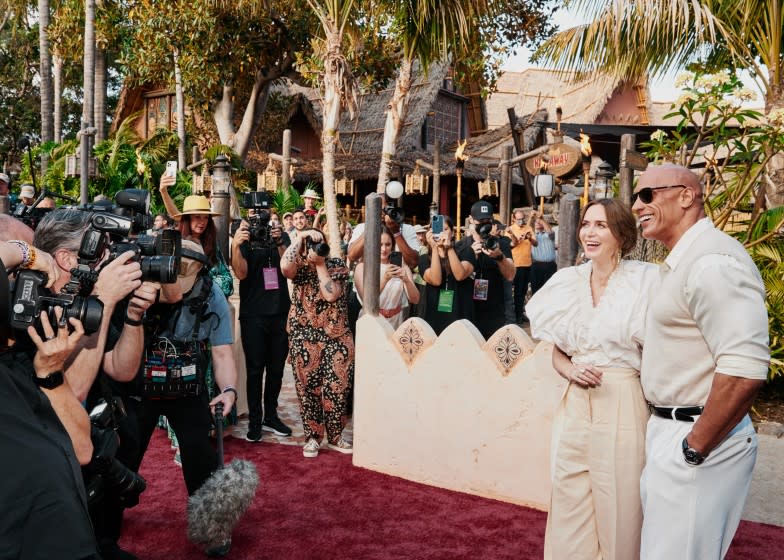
[196, 204]
[189, 267]
[310, 193]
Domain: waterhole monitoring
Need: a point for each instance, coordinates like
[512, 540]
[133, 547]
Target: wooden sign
[563, 160]
[633, 160]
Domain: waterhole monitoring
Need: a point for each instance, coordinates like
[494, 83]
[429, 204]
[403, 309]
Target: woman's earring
[618, 261]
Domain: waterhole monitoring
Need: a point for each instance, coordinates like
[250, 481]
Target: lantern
[602, 185]
[268, 181]
[416, 183]
[488, 187]
[344, 185]
[73, 166]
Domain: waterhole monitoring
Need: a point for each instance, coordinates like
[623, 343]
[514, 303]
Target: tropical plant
[286, 199]
[631, 39]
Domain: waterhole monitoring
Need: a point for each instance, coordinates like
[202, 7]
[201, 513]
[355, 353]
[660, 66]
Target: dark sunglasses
[646, 194]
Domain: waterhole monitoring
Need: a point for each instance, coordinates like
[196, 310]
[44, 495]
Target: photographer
[403, 234]
[264, 307]
[493, 266]
[116, 348]
[47, 432]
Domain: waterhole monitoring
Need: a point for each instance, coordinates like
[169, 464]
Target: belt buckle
[673, 410]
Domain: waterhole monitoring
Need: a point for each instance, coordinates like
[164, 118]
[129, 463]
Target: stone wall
[455, 411]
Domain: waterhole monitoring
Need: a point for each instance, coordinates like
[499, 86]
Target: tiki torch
[585, 150]
[459, 165]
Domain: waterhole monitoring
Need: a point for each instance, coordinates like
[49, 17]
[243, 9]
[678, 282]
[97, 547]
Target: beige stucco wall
[454, 411]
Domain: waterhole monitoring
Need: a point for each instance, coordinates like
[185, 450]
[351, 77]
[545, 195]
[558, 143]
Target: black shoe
[277, 427]
[254, 432]
[218, 550]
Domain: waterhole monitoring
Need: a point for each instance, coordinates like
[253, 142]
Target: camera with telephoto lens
[30, 297]
[105, 474]
[489, 241]
[120, 228]
[395, 212]
[259, 226]
[318, 247]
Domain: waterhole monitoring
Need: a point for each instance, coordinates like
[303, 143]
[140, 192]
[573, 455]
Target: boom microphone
[216, 507]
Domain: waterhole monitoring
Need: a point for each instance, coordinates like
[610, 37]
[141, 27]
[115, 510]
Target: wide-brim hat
[310, 193]
[420, 229]
[5, 178]
[189, 267]
[196, 204]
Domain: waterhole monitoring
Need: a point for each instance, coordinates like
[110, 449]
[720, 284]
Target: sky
[662, 89]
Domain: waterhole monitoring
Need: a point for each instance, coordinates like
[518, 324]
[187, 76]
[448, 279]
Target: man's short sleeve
[356, 232]
[410, 236]
[727, 300]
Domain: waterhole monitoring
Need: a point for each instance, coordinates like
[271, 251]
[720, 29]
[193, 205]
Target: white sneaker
[341, 446]
[311, 448]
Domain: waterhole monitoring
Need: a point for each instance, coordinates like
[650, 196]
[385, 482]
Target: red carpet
[309, 509]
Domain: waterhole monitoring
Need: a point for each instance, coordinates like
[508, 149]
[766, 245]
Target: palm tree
[45, 58]
[89, 84]
[428, 31]
[339, 89]
[630, 39]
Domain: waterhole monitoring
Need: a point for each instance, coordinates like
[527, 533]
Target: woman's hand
[431, 240]
[56, 347]
[585, 376]
[166, 182]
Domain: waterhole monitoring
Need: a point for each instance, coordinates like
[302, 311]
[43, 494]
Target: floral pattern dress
[321, 350]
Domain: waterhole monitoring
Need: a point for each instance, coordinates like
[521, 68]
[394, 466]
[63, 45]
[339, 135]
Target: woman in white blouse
[594, 314]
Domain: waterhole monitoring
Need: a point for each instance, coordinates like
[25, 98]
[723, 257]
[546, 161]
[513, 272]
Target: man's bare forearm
[729, 400]
[81, 371]
[122, 362]
[74, 419]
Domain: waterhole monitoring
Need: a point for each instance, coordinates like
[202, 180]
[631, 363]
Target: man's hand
[118, 279]
[45, 263]
[242, 235]
[494, 254]
[143, 298]
[391, 224]
[227, 399]
[55, 349]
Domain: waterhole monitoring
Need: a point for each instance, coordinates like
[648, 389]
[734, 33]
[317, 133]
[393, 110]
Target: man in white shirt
[704, 358]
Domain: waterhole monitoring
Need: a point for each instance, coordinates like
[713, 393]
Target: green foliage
[286, 199]
[769, 258]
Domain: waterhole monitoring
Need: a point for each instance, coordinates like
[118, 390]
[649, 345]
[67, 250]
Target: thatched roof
[536, 88]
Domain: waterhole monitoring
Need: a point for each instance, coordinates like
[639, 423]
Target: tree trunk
[223, 113]
[45, 58]
[774, 181]
[181, 157]
[329, 133]
[89, 91]
[99, 102]
[396, 117]
[57, 67]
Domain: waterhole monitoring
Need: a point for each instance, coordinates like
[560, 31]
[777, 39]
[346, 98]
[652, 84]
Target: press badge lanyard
[270, 273]
[446, 297]
[480, 284]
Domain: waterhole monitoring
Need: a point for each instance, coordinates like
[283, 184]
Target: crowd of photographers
[115, 319]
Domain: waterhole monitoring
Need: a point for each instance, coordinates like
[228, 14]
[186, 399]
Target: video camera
[32, 215]
[119, 228]
[259, 225]
[105, 474]
[489, 241]
[30, 297]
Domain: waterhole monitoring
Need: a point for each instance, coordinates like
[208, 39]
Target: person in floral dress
[321, 348]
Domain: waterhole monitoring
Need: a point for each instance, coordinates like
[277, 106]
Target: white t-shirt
[406, 229]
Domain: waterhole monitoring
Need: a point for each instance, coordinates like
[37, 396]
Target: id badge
[188, 373]
[158, 374]
[446, 299]
[270, 278]
[480, 289]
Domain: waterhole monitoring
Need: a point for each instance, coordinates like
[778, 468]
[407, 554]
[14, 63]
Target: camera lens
[160, 269]
[491, 243]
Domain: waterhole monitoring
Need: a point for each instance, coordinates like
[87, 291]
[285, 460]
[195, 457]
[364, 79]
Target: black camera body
[259, 225]
[105, 474]
[318, 247]
[31, 297]
[120, 228]
[395, 212]
[30, 216]
[489, 241]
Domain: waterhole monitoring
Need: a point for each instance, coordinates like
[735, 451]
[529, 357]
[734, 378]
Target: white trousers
[692, 513]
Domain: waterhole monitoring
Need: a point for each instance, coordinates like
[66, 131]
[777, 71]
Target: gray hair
[62, 229]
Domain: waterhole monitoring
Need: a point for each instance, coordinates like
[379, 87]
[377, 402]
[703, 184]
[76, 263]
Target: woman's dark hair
[208, 239]
[620, 220]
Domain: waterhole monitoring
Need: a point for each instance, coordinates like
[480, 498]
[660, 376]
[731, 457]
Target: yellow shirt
[521, 253]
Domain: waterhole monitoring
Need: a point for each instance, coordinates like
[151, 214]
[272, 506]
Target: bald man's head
[11, 228]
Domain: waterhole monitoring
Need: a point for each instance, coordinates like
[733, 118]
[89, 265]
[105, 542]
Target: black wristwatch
[691, 455]
[51, 381]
